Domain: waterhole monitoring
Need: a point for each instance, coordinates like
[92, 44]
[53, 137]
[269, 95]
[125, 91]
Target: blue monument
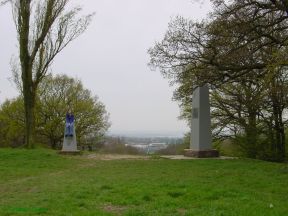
[69, 142]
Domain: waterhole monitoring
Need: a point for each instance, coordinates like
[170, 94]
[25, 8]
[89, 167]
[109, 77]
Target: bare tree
[44, 29]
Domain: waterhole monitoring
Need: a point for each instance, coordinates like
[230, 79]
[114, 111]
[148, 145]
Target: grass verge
[41, 182]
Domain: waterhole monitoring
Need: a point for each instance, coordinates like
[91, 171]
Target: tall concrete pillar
[201, 138]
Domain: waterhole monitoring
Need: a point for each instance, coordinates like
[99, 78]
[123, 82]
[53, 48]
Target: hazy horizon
[146, 133]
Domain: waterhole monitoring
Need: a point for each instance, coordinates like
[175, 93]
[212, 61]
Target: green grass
[41, 182]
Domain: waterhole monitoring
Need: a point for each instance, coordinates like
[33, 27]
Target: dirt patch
[96, 156]
[116, 157]
[117, 210]
[182, 157]
[182, 211]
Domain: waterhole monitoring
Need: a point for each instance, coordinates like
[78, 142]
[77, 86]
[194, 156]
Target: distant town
[147, 144]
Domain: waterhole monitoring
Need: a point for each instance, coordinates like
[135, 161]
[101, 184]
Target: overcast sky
[111, 60]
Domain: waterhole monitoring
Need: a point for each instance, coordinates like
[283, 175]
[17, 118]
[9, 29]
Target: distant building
[154, 147]
[148, 148]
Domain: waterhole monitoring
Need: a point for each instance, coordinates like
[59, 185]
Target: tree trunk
[29, 106]
[26, 70]
[53, 142]
[279, 146]
[251, 135]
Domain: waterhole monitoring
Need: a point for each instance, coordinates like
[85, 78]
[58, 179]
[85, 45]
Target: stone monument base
[77, 152]
[201, 153]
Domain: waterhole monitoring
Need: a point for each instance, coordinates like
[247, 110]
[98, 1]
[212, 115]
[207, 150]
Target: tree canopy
[240, 51]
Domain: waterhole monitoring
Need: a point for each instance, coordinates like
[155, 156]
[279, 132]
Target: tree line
[240, 50]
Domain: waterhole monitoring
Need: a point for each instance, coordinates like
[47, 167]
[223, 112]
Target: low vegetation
[119, 148]
[41, 182]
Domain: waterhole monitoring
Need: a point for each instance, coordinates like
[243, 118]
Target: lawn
[41, 182]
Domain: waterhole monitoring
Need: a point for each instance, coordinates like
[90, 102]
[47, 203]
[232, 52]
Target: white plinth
[70, 143]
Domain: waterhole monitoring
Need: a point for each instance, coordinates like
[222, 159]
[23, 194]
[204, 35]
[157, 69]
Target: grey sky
[111, 60]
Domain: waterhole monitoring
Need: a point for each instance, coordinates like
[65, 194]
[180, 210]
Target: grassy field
[41, 182]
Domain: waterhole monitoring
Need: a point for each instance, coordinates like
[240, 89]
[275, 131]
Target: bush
[228, 148]
[119, 148]
[173, 149]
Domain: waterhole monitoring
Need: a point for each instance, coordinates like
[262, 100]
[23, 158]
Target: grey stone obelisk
[201, 138]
